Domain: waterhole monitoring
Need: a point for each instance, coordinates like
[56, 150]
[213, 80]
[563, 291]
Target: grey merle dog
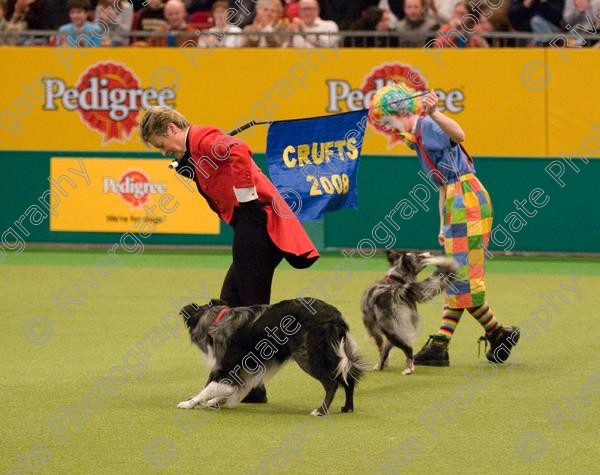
[389, 306]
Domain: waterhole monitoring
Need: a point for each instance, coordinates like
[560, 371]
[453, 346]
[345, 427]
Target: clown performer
[465, 213]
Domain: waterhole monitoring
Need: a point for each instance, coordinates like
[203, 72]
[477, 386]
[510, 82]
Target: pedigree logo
[108, 97]
[343, 97]
[134, 187]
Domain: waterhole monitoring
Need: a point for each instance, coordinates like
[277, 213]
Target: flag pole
[174, 163]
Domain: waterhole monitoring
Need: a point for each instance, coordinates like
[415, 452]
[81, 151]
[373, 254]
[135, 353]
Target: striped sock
[485, 317]
[450, 319]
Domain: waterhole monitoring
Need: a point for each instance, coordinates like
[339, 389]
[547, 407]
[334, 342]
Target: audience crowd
[296, 23]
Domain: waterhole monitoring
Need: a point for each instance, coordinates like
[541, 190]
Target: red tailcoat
[222, 162]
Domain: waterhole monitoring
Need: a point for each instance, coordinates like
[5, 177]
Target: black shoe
[434, 353]
[501, 340]
[257, 395]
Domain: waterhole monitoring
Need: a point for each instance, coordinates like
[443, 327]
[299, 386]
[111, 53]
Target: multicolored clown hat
[396, 99]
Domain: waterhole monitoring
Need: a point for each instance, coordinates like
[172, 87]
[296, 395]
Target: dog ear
[191, 313]
[392, 256]
[189, 310]
[216, 303]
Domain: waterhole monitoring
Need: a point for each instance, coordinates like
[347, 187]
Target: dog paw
[377, 367]
[189, 404]
[408, 371]
[347, 409]
[214, 402]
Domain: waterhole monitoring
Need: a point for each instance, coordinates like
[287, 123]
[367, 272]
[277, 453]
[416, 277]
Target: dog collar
[220, 315]
[223, 311]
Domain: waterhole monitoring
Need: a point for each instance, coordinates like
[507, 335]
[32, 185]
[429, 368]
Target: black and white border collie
[246, 345]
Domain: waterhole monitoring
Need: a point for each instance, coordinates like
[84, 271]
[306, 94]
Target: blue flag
[314, 162]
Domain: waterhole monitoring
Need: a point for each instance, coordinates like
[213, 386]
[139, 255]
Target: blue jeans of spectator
[540, 25]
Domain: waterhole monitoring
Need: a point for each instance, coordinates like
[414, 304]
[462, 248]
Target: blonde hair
[270, 3]
[157, 119]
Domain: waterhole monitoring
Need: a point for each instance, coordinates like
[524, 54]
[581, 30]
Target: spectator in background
[176, 15]
[151, 18]
[577, 12]
[453, 33]
[218, 36]
[117, 15]
[268, 19]
[6, 26]
[79, 32]
[27, 15]
[536, 15]
[489, 21]
[442, 11]
[311, 30]
[396, 9]
[3, 22]
[372, 19]
[242, 12]
[29, 12]
[290, 9]
[416, 27]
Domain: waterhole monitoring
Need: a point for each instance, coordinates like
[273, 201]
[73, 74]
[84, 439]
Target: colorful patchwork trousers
[467, 226]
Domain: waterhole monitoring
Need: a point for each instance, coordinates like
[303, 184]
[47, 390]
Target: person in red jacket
[238, 191]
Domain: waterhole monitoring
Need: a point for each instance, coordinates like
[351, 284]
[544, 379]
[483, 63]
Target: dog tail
[350, 364]
[443, 276]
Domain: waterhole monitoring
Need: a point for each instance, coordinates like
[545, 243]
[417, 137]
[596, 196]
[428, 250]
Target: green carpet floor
[70, 324]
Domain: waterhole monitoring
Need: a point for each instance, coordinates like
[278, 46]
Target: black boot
[501, 340]
[434, 353]
[257, 395]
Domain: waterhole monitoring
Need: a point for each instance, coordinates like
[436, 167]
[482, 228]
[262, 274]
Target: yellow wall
[511, 102]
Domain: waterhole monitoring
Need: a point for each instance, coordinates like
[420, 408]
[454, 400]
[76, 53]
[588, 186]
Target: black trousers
[255, 257]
